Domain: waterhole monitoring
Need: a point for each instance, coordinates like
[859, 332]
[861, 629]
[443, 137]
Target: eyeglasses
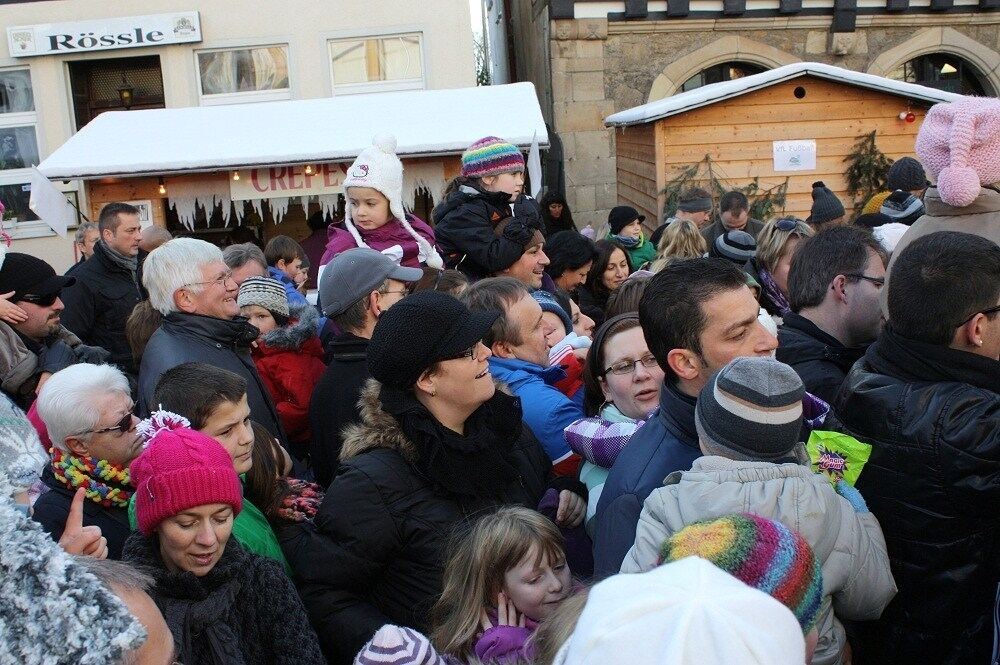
[786, 224]
[41, 301]
[468, 353]
[122, 426]
[984, 312]
[877, 281]
[628, 366]
[221, 280]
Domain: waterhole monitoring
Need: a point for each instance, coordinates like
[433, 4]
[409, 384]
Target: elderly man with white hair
[193, 288]
[87, 410]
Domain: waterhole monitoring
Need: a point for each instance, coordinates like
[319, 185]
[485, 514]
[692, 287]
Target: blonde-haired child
[507, 574]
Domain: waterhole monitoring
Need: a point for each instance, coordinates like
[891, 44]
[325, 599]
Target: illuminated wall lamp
[162, 188]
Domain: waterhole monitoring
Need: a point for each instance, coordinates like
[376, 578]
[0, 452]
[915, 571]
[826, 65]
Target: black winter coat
[334, 403]
[183, 338]
[52, 508]
[591, 304]
[245, 611]
[932, 416]
[100, 302]
[819, 359]
[381, 534]
[464, 226]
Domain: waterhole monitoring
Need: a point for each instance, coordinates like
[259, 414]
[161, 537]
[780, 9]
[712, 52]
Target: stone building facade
[605, 57]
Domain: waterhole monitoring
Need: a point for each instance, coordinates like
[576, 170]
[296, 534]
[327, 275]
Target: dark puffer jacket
[245, 611]
[464, 228]
[932, 416]
[381, 535]
[100, 302]
[819, 359]
[223, 343]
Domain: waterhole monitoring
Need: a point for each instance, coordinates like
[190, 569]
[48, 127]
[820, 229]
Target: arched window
[725, 71]
[943, 71]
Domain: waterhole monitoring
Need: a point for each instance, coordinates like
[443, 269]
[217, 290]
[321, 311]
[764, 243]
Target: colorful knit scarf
[107, 484]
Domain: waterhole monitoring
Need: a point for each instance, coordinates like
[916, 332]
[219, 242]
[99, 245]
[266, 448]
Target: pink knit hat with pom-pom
[959, 144]
[179, 469]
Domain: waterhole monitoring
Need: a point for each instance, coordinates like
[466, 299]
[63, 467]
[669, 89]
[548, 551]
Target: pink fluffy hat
[959, 145]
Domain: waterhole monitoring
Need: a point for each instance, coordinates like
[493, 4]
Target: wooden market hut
[208, 171]
[735, 124]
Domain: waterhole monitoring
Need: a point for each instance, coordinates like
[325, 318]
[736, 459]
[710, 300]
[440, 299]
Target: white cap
[686, 612]
[379, 168]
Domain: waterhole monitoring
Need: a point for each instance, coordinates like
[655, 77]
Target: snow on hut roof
[717, 92]
[301, 131]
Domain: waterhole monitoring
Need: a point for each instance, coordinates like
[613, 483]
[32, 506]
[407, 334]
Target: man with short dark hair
[521, 361]
[109, 286]
[357, 286]
[926, 396]
[834, 286]
[696, 316]
[246, 260]
[734, 215]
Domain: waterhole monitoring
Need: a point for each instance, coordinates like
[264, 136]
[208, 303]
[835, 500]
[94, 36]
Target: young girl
[488, 192]
[504, 577]
[625, 228]
[288, 354]
[374, 216]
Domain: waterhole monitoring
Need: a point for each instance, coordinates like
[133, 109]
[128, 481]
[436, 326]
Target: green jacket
[639, 256]
[250, 529]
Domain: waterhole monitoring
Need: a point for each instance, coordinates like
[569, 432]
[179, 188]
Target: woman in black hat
[437, 443]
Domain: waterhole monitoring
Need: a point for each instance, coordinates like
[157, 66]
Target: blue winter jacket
[295, 299]
[667, 442]
[546, 411]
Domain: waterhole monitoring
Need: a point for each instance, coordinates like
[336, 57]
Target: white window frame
[378, 86]
[17, 228]
[250, 95]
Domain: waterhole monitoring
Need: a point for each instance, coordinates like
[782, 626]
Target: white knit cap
[379, 168]
[681, 613]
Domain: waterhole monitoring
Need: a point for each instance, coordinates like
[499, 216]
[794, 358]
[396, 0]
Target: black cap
[420, 330]
[25, 274]
[622, 216]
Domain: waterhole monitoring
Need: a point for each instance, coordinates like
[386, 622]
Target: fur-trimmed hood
[291, 337]
[377, 428]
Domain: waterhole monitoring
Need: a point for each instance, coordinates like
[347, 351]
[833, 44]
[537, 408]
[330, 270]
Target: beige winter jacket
[981, 218]
[857, 582]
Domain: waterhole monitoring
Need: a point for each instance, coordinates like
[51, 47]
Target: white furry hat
[22, 456]
[53, 611]
[379, 168]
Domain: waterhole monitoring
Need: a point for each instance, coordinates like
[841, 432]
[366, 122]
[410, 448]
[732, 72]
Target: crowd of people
[494, 439]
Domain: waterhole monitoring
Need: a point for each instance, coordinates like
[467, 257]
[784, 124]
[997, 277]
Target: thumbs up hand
[79, 539]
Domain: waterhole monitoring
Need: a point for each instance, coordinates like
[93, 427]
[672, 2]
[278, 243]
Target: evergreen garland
[765, 203]
[867, 167]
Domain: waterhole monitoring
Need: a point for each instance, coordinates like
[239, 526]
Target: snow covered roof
[301, 131]
[717, 92]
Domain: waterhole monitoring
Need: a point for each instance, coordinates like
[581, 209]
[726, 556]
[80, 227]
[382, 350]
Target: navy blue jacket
[667, 442]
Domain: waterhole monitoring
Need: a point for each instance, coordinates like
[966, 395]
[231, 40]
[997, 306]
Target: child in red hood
[288, 354]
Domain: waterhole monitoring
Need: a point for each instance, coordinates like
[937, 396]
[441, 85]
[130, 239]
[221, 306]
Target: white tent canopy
[717, 92]
[214, 138]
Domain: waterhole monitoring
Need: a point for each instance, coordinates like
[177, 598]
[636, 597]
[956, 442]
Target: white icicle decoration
[279, 208]
[328, 202]
[186, 209]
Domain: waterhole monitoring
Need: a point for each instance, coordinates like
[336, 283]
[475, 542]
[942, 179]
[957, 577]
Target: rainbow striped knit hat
[760, 552]
[491, 156]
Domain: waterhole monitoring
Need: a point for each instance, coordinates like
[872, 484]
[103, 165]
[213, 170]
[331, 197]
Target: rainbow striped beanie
[761, 553]
[491, 156]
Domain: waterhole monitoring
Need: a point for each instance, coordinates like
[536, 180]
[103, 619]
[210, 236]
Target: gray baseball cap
[353, 274]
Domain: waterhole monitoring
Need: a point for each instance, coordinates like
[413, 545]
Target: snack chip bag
[839, 456]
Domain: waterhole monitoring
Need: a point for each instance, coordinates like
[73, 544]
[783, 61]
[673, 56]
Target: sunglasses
[122, 426]
[41, 301]
[786, 224]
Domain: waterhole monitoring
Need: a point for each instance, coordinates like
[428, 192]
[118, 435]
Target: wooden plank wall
[637, 170]
[737, 135]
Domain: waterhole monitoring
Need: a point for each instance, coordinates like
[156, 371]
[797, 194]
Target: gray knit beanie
[264, 292]
[751, 410]
[907, 174]
[22, 456]
[736, 246]
[53, 611]
[826, 206]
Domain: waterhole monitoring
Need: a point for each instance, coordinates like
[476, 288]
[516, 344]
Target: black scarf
[911, 360]
[477, 464]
